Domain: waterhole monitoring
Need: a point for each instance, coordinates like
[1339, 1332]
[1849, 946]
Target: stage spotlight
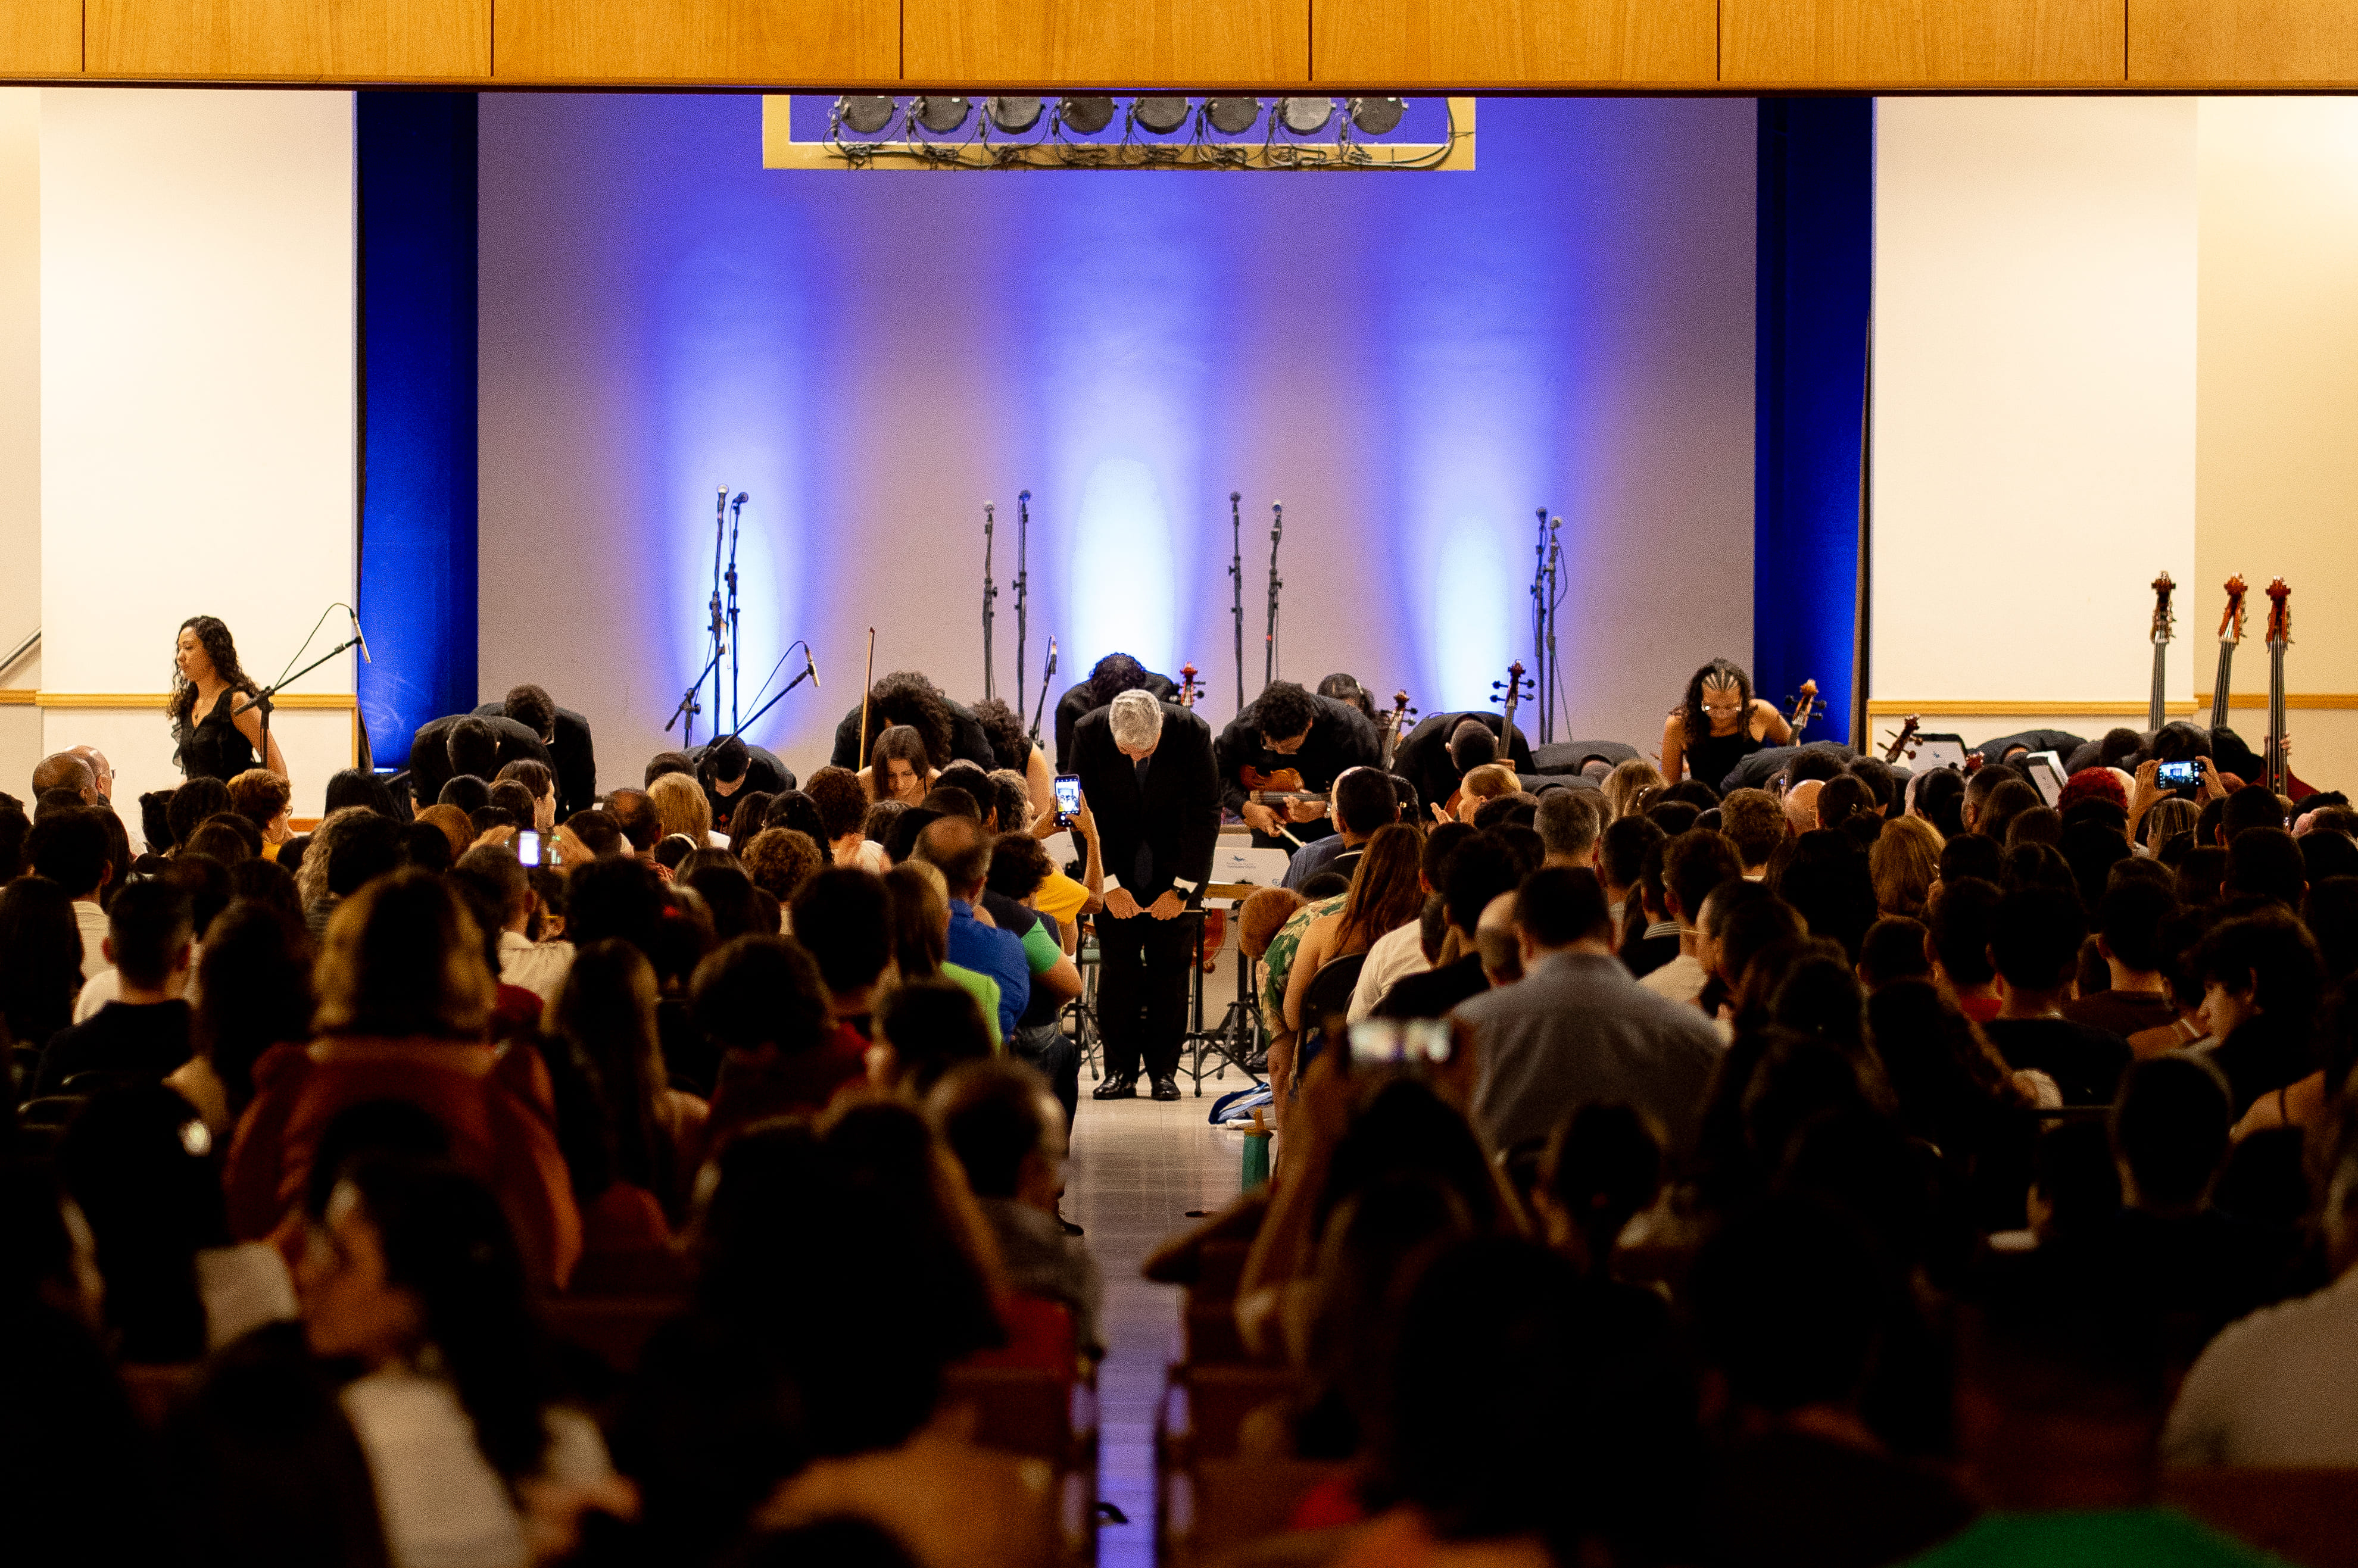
[1162, 114]
[1232, 116]
[1086, 116]
[1376, 116]
[1013, 115]
[1305, 116]
[943, 115]
[865, 115]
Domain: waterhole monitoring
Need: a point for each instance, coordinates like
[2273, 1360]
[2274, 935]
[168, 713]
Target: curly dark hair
[1345, 689]
[1010, 741]
[212, 633]
[1719, 671]
[1282, 710]
[1112, 676]
[906, 697]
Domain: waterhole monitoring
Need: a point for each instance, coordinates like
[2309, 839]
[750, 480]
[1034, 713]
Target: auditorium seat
[1219, 1506]
[2304, 1516]
[1218, 1400]
[1040, 1337]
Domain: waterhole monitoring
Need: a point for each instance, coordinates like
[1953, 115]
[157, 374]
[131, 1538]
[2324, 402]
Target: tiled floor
[1137, 1167]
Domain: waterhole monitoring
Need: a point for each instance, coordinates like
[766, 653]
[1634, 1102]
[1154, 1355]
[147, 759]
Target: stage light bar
[1157, 130]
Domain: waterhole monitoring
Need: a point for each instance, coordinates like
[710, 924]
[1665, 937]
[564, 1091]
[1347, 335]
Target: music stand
[1237, 874]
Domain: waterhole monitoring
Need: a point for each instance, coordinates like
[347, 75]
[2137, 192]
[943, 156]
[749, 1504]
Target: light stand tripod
[1237, 577]
[1276, 586]
[989, 592]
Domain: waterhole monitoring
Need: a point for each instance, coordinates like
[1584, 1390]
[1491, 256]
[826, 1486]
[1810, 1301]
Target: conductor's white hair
[1137, 719]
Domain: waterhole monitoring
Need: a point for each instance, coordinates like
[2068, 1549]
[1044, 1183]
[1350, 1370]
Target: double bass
[2279, 639]
[2231, 637]
[1388, 727]
[2162, 621]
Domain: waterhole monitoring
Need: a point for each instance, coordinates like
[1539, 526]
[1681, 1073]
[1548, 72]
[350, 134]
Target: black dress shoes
[1122, 1088]
[1166, 1088]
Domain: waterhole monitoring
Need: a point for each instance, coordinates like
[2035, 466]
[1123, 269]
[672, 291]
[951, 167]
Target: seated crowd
[1863, 1169]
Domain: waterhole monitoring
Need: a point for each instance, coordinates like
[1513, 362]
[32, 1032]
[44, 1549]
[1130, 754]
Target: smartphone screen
[528, 847]
[1068, 799]
[2176, 775]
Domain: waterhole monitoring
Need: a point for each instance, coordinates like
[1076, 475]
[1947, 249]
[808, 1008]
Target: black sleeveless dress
[1713, 757]
[217, 748]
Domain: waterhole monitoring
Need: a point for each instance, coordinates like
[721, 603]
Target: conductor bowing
[1147, 769]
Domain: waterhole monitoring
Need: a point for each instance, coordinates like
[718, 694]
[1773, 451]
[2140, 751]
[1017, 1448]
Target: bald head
[1801, 806]
[63, 770]
[1498, 941]
[960, 849]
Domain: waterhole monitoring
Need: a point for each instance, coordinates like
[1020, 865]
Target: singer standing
[216, 739]
[1146, 768]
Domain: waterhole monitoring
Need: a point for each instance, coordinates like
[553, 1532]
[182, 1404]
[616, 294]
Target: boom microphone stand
[1023, 584]
[262, 699]
[810, 673]
[1046, 672]
[989, 592]
[1237, 577]
[1276, 586]
[1551, 674]
[736, 686]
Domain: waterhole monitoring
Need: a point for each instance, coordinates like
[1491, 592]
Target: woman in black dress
[207, 684]
[1720, 724]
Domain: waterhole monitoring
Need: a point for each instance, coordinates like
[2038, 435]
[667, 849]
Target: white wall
[20, 428]
[2034, 398]
[197, 403]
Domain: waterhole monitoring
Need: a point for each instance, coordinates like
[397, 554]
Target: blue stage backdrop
[1817, 257]
[417, 325]
[1412, 363]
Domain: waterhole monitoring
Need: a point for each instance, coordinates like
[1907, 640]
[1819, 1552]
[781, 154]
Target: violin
[1190, 688]
[1275, 787]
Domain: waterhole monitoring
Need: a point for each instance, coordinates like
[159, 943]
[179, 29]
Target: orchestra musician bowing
[1443, 750]
[1107, 679]
[1146, 770]
[1291, 741]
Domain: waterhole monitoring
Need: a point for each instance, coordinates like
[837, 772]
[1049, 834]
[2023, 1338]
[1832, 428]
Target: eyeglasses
[1723, 707]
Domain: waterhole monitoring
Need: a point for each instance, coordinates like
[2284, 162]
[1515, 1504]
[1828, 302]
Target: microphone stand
[1538, 618]
[1023, 586]
[736, 686]
[1237, 577]
[989, 592]
[1276, 586]
[714, 632]
[809, 671]
[262, 699]
[689, 705]
[1551, 674]
[1047, 674]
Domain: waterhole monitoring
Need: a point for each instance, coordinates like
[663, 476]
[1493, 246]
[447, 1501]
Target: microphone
[1235, 496]
[359, 634]
[1051, 659]
[810, 665]
[741, 499]
[1277, 522]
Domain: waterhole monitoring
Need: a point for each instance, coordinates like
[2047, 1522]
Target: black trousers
[1144, 964]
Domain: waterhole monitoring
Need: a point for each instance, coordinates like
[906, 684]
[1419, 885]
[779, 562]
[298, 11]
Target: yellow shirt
[1060, 898]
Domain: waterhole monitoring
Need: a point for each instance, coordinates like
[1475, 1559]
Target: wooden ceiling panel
[332, 40]
[2238, 43]
[1514, 43]
[1905, 43]
[40, 37]
[1101, 43]
[784, 43]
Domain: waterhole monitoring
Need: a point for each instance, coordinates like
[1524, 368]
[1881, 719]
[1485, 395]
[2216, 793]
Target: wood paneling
[1106, 43]
[1877, 43]
[1414, 43]
[2243, 42]
[358, 40]
[765, 42]
[40, 37]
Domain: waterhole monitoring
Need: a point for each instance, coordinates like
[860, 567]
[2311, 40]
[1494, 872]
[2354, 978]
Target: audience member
[2034, 944]
[143, 1033]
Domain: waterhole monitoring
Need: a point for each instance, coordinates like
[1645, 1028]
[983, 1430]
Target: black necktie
[1142, 863]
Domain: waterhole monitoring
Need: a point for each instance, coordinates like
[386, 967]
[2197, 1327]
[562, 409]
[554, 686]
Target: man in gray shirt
[1576, 1029]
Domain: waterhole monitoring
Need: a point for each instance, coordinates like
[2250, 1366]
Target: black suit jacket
[764, 772]
[1178, 820]
[1075, 706]
[967, 740]
[429, 751]
[1341, 737]
[570, 755]
[1423, 755]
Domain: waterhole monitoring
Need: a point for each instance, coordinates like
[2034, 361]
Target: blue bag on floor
[1240, 1105]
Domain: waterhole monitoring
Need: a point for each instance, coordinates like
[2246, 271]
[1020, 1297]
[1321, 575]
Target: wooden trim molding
[336, 702]
[1953, 707]
[17, 697]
